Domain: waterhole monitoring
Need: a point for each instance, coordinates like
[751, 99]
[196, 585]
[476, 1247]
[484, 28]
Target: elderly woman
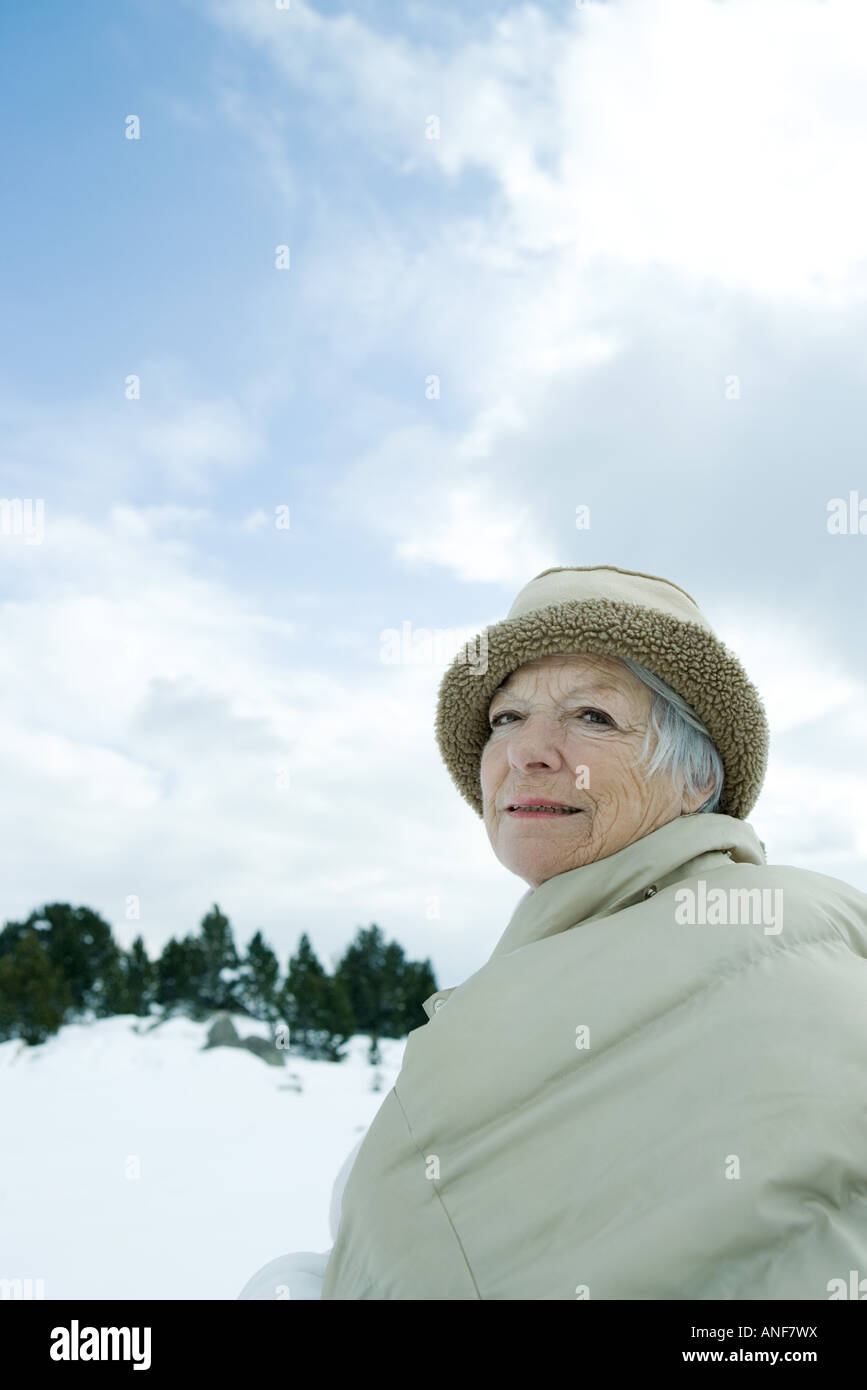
[655, 1087]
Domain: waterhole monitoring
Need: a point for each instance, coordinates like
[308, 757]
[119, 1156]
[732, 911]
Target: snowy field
[234, 1165]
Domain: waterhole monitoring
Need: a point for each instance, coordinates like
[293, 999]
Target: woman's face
[568, 730]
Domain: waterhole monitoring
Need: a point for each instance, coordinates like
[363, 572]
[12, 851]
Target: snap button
[440, 1004]
[651, 890]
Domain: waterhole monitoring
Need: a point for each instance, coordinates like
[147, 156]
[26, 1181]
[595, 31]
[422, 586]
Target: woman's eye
[509, 714]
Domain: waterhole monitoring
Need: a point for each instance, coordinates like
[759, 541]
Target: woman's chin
[535, 865]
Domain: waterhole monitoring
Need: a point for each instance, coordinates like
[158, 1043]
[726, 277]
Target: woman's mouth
[520, 809]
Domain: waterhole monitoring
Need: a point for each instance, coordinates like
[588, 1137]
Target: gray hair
[683, 745]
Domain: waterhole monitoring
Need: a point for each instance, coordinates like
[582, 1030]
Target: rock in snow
[223, 1033]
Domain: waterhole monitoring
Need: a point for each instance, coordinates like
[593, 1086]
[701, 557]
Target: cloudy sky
[535, 257]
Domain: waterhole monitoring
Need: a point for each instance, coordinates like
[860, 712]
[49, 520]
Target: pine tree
[115, 989]
[362, 971]
[81, 947]
[341, 1019]
[179, 971]
[385, 989]
[10, 935]
[419, 983]
[303, 994]
[140, 978]
[392, 995]
[34, 997]
[218, 984]
[316, 1008]
[259, 973]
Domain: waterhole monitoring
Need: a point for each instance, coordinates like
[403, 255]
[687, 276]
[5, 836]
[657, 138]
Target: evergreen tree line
[63, 965]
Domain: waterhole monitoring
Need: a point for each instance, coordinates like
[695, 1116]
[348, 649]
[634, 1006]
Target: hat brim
[687, 656]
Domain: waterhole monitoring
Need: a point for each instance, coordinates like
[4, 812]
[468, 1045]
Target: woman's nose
[535, 744]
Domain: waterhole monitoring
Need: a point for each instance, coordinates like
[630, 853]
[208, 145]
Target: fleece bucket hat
[607, 611]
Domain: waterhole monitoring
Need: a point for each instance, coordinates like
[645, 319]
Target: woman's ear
[690, 804]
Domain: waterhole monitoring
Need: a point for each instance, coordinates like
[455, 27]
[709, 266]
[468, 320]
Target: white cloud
[166, 518]
[797, 669]
[448, 518]
[653, 167]
[472, 540]
[175, 438]
[722, 139]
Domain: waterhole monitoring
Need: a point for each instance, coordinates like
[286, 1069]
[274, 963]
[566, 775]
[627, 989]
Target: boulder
[264, 1048]
[222, 1033]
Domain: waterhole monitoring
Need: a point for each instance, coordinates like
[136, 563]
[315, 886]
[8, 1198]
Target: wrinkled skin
[550, 722]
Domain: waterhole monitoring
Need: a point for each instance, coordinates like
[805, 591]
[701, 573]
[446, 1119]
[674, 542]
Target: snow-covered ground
[235, 1166]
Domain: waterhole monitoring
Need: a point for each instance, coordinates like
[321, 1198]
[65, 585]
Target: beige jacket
[623, 1103]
